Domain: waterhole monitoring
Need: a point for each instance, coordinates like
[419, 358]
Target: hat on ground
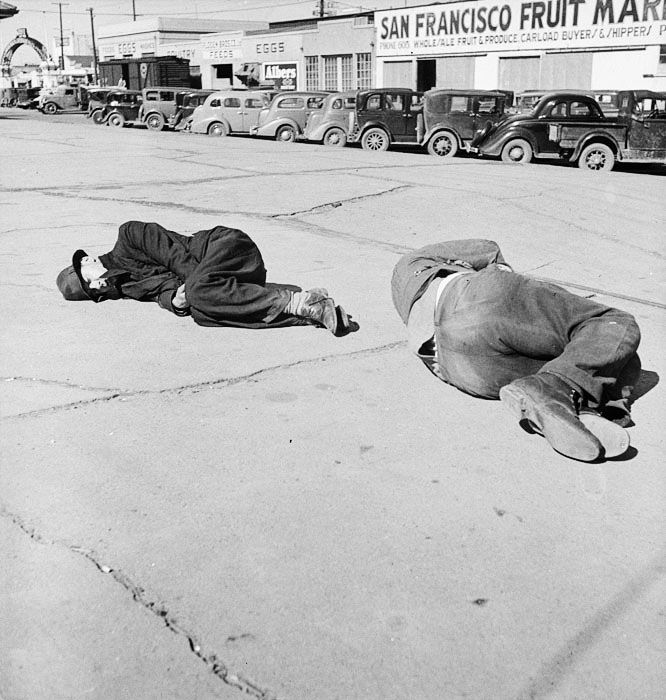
[70, 282]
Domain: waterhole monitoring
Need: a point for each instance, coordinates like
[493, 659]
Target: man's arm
[470, 253]
[148, 246]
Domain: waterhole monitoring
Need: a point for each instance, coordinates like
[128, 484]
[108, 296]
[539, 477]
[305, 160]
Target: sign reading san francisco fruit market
[473, 26]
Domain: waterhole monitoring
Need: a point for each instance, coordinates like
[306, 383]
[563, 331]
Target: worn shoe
[549, 404]
[316, 306]
[612, 436]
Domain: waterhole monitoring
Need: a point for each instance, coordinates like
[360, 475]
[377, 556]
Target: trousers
[493, 326]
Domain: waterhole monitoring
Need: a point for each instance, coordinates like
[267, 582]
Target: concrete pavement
[198, 512]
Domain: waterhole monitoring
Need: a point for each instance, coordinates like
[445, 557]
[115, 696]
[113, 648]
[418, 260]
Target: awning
[7, 10]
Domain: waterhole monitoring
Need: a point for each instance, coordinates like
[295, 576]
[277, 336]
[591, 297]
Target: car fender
[439, 129]
[494, 144]
[375, 125]
[217, 120]
[272, 127]
[597, 137]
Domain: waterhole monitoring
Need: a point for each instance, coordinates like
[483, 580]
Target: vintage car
[96, 103]
[572, 127]
[28, 98]
[122, 108]
[442, 120]
[385, 116]
[330, 124]
[186, 103]
[608, 101]
[284, 119]
[451, 118]
[229, 112]
[159, 105]
[52, 100]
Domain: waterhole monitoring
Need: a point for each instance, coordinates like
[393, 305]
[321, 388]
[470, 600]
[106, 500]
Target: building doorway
[426, 74]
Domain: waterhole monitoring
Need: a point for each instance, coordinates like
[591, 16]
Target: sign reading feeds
[283, 75]
[484, 25]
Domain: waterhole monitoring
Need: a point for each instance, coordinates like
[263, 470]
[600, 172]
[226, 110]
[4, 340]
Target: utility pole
[62, 42]
[94, 47]
[133, 12]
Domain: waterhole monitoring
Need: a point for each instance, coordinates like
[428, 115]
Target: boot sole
[614, 438]
[342, 321]
[564, 432]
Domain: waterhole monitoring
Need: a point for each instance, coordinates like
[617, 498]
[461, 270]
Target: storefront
[331, 53]
[523, 45]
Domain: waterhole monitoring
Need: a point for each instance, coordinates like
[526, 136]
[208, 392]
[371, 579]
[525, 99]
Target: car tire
[335, 137]
[97, 116]
[217, 129]
[50, 108]
[517, 151]
[154, 121]
[443, 144]
[115, 119]
[597, 156]
[375, 140]
[286, 133]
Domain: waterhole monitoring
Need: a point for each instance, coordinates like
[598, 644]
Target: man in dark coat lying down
[561, 363]
[216, 276]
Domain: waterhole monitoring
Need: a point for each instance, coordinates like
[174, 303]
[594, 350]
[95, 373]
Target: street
[196, 513]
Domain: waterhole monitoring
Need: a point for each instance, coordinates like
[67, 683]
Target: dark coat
[222, 269]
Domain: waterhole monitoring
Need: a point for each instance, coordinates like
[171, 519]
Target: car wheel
[597, 156]
[155, 122]
[115, 119]
[375, 140]
[97, 116]
[50, 108]
[444, 145]
[217, 129]
[517, 151]
[335, 137]
[286, 133]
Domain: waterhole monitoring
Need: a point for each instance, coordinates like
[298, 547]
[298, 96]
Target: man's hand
[179, 300]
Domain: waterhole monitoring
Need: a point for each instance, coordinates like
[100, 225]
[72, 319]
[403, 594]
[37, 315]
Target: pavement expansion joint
[150, 603]
[209, 384]
[59, 383]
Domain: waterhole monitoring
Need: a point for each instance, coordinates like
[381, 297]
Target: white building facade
[524, 45]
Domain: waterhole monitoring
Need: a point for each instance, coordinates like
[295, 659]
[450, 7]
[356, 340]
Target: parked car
[607, 100]
[28, 98]
[526, 100]
[442, 120]
[159, 105]
[96, 103]
[330, 124]
[284, 119]
[186, 103]
[451, 118]
[572, 127]
[385, 116]
[229, 112]
[122, 108]
[52, 100]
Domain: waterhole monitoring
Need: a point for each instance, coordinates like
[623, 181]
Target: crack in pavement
[59, 383]
[152, 604]
[338, 203]
[190, 389]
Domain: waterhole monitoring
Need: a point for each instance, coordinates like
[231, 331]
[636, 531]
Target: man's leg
[228, 289]
[496, 327]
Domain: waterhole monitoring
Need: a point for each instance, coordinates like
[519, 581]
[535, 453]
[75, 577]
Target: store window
[224, 71]
[363, 71]
[312, 72]
[347, 72]
[338, 72]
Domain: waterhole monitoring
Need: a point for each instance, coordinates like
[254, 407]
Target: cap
[70, 282]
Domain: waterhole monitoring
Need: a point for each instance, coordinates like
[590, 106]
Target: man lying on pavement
[559, 362]
[216, 276]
